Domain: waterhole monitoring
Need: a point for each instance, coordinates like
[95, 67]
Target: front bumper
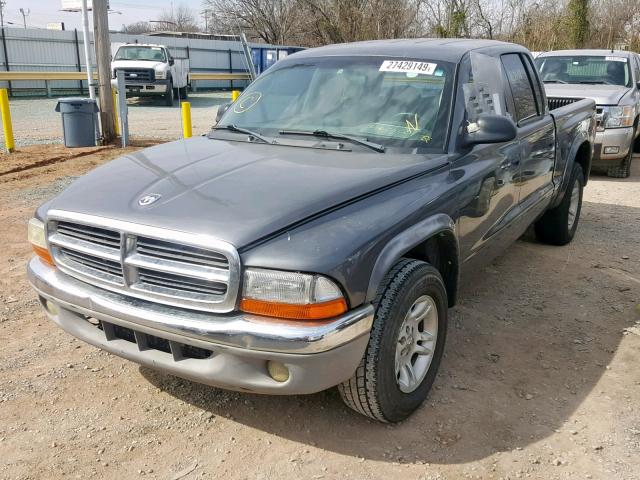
[622, 138]
[318, 356]
[159, 87]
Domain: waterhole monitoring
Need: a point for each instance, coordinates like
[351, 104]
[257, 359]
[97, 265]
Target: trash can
[78, 121]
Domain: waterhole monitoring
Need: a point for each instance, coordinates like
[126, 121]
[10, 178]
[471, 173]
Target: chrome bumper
[622, 138]
[159, 86]
[318, 356]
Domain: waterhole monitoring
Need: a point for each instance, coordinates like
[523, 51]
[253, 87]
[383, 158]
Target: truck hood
[602, 94]
[135, 64]
[239, 192]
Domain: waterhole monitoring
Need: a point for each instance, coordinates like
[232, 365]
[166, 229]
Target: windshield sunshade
[401, 104]
[604, 70]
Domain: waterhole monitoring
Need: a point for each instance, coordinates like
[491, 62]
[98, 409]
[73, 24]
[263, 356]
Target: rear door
[536, 131]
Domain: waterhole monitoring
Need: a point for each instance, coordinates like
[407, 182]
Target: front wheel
[558, 225]
[405, 347]
[623, 169]
[168, 96]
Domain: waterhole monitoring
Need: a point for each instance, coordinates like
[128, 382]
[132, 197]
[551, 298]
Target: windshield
[154, 54]
[606, 70]
[399, 104]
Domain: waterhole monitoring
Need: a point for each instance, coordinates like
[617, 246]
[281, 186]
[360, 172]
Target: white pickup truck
[150, 70]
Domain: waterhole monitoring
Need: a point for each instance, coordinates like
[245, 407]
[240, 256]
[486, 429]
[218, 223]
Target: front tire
[558, 225]
[168, 96]
[623, 169]
[405, 346]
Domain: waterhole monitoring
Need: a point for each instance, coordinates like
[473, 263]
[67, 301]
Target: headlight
[36, 236]
[161, 74]
[617, 117]
[291, 295]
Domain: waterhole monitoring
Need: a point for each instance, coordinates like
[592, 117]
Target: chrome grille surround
[166, 266]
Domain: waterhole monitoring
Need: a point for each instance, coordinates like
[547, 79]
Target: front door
[490, 199]
[536, 131]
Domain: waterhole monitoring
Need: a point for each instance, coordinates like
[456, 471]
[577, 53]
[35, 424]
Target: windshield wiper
[234, 128]
[594, 82]
[336, 136]
[553, 81]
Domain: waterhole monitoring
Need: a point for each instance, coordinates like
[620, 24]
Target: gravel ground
[36, 122]
[540, 378]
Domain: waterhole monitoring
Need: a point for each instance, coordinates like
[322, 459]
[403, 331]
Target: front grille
[138, 75]
[557, 102]
[599, 118]
[174, 268]
[180, 253]
[93, 264]
[172, 282]
[100, 236]
[145, 341]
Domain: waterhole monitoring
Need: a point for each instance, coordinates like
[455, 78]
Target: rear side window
[535, 81]
[521, 89]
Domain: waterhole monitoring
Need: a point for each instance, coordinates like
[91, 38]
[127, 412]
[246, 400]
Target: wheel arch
[583, 157]
[432, 240]
[581, 152]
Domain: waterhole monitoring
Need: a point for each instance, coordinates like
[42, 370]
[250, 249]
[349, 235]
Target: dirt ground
[540, 377]
[36, 122]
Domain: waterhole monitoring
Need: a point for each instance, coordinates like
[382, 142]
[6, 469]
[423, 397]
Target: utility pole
[24, 16]
[87, 50]
[103, 59]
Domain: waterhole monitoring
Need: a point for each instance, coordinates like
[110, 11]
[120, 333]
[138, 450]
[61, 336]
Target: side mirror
[638, 85]
[490, 129]
[221, 110]
[171, 61]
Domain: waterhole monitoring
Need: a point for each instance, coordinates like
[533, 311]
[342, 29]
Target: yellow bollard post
[234, 95]
[6, 121]
[115, 112]
[186, 120]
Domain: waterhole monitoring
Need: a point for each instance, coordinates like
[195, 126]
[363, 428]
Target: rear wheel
[623, 169]
[558, 225]
[184, 93]
[405, 347]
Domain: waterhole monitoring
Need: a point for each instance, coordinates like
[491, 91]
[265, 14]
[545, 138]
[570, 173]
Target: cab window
[521, 89]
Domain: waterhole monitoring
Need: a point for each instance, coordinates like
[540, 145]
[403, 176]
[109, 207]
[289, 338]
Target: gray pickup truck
[316, 237]
[612, 79]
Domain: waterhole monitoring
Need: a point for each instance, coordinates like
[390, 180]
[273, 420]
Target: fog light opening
[52, 308]
[278, 371]
[610, 150]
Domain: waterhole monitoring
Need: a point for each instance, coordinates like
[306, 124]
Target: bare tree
[137, 28]
[537, 24]
[273, 21]
[178, 19]
[351, 20]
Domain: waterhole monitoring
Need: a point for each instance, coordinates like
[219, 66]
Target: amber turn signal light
[313, 311]
[44, 255]
[36, 234]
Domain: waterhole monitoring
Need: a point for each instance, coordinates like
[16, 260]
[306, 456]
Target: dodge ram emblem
[148, 199]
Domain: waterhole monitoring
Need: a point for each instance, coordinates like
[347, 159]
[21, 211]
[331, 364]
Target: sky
[48, 11]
